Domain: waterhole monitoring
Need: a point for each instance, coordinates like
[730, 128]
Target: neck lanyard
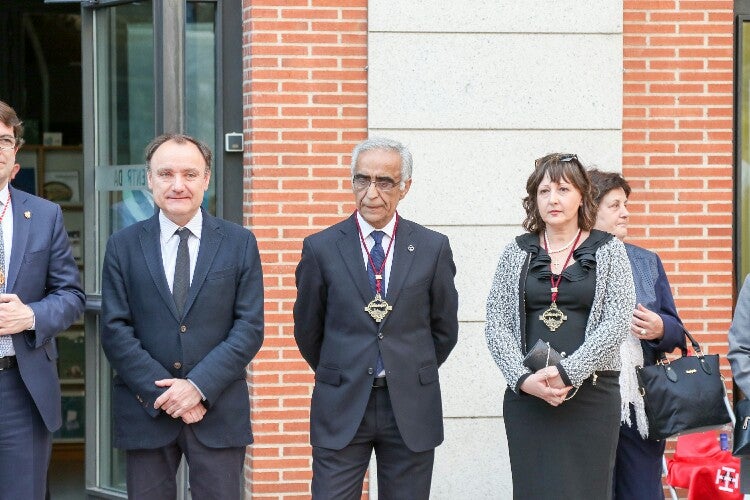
[555, 284]
[378, 272]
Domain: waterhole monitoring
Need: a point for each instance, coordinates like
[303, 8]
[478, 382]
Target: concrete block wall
[479, 93]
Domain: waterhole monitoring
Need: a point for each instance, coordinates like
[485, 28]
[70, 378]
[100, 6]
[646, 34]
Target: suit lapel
[402, 261]
[21, 227]
[211, 237]
[151, 247]
[350, 248]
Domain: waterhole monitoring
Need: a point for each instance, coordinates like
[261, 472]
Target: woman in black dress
[571, 287]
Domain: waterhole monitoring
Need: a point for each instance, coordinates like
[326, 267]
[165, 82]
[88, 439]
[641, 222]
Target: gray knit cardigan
[607, 326]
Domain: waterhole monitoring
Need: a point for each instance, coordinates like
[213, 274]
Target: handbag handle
[698, 352]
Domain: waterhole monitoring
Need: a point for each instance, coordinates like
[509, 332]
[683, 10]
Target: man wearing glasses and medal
[375, 316]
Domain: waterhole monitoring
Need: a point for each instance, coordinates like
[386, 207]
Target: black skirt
[568, 451]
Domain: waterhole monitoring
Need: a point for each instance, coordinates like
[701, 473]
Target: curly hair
[559, 166]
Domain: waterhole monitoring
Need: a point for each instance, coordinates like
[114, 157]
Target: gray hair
[388, 145]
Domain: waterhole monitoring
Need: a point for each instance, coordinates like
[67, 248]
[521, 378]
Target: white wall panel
[479, 90]
[476, 251]
[505, 16]
[471, 382]
[480, 81]
[473, 461]
[478, 177]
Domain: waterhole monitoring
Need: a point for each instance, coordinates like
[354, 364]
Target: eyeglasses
[561, 157]
[7, 142]
[361, 182]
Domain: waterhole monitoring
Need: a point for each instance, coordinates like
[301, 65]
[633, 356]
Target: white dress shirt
[171, 241]
[7, 241]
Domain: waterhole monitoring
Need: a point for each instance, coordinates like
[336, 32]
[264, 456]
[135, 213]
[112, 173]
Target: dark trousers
[638, 466]
[402, 473]
[25, 442]
[215, 473]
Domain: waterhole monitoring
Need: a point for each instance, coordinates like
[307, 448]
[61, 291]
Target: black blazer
[144, 338]
[340, 340]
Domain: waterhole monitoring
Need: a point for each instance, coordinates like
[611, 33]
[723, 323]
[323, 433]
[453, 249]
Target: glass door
[148, 67]
[119, 99]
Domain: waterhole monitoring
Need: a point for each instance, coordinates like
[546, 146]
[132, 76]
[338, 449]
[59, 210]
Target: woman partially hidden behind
[655, 328]
[571, 286]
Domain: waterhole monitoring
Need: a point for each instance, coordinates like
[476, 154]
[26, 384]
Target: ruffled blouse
[575, 291]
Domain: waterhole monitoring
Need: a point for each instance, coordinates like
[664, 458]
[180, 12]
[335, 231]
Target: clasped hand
[15, 316]
[180, 400]
[547, 384]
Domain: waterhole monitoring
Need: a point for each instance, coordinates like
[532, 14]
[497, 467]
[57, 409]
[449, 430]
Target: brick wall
[305, 99]
[677, 152]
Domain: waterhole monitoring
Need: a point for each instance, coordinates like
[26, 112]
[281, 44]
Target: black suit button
[177, 365]
[183, 328]
[380, 336]
[370, 371]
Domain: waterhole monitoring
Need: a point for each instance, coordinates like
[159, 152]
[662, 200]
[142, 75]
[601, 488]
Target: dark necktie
[181, 283]
[378, 257]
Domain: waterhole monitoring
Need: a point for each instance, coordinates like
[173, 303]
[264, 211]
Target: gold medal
[378, 308]
[553, 317]
[2, 278]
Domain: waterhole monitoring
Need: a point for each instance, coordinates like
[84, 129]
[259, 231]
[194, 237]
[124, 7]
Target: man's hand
[194, 414]
[181, 397]
[15, 316]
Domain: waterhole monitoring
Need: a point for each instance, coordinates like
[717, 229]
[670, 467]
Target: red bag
[700, 466]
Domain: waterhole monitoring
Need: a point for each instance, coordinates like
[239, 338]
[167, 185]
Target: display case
[56, 173]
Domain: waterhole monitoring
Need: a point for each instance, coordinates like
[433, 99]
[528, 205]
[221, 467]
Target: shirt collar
[168, 227]
[4, 194]
[367, 228]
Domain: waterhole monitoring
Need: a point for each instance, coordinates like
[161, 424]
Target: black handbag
[685, 395]
[741, 428]
[540, 356]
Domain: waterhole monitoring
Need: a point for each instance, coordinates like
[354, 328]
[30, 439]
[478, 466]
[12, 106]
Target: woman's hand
[646, 325]
[546, 384]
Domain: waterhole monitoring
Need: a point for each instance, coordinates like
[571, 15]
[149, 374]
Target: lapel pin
[410, 248]
[27, 214]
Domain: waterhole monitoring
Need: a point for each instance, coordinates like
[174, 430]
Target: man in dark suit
[182, 316]
[375, 316]
[40, 296]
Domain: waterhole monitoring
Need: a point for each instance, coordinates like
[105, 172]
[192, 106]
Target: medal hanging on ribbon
[553, 317]
[378, 308]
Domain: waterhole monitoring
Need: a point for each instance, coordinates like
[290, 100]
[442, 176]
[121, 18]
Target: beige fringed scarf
[632, 356]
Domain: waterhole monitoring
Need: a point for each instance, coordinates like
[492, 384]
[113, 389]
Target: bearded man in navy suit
[375, 316]
[40, 296]
[182, 316]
